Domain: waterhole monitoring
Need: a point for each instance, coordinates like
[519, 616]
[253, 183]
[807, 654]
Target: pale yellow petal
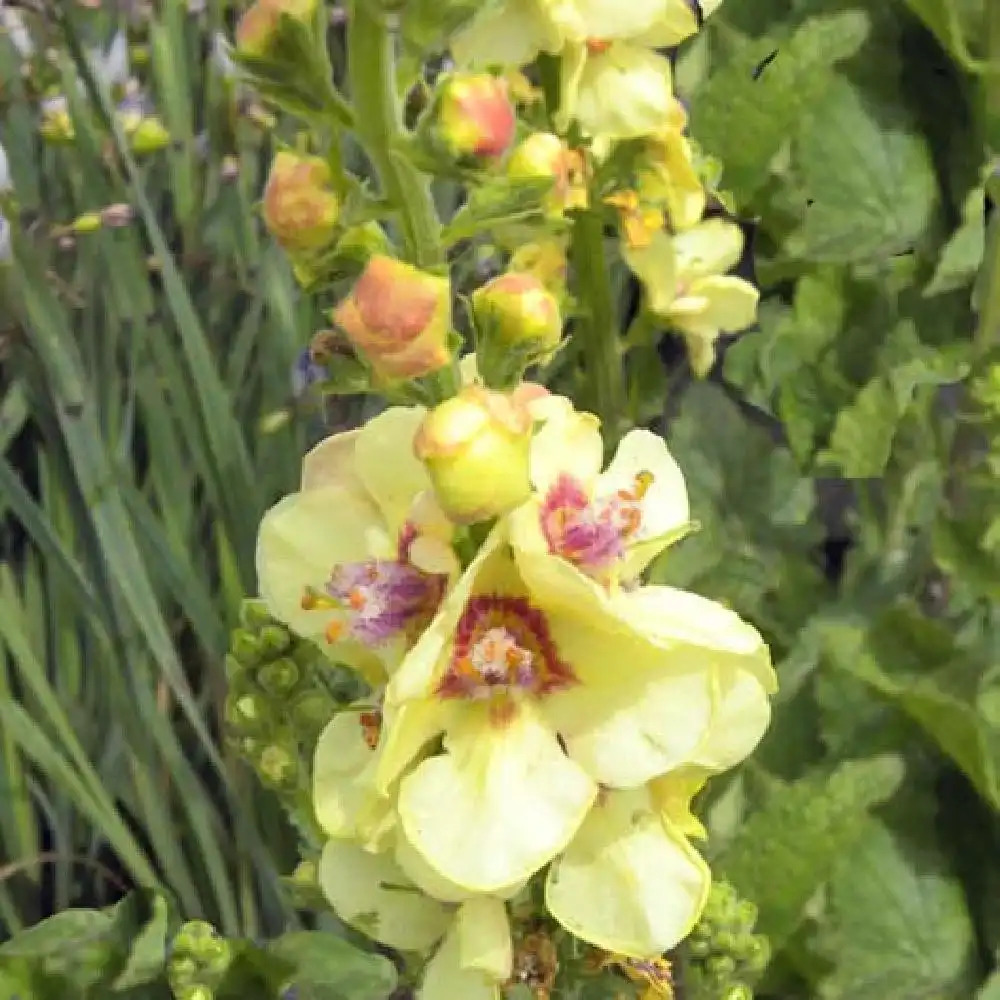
[622, 93]
[386, 464]
[446, 979]
[742, 715]
[730, 304]
[713, 247]
[666, 513]
[498, 804]
[371, 893]
[302, 538]
[342, 774]
[331, 463]
[510, 34]
[655, 265]
[568, 443]
[554, 583]
[670, 617]
[406, 730]
[672, 795]
[637, 712]
[484, 937]
[628, 883]
[654, 23]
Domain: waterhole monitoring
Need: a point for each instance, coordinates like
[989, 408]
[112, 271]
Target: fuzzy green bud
[89, 222]
[150, 136]
[277, 766]
[279, 677]
[310, 713]
[274, 640]
[254, 615]
[518, 323]
[245, 647]
[196, 992]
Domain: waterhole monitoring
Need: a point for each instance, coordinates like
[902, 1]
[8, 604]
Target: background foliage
[841, 461]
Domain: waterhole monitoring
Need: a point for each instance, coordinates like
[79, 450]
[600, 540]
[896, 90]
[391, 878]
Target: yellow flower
[655, 24]
[543, 155]
[358, 559]
[687, 285]
[667, 177]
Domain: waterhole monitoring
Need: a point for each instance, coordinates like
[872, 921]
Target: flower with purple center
[383, 599]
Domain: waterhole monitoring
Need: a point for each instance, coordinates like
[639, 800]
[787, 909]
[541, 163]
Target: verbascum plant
[508, 799]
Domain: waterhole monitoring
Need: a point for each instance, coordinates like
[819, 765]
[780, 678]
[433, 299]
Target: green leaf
[861, 441]
[962, 255]
[746, 111]
[788, 849]
[990, 990]
[867, 175]
[329, 968]
[930, 691]
[953, 22]
[897, 926]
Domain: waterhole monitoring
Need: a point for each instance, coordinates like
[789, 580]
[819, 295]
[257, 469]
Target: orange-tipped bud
[300, 207]
[475, 116]
[518, 311]
[476, 449]
[399, 318]
[544, 155]
[255, 32]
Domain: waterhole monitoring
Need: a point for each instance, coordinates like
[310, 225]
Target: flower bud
[255, 33]
[476, 449]
[398, 318]
[475, 117]
[300, 208]
[149, 136]
[544, 155]
[520, 311]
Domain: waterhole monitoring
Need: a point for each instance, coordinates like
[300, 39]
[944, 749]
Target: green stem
[379, 125]
[989, 304]
[598, 327]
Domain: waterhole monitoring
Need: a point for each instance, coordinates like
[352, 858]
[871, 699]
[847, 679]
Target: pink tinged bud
[399, 318]
[544, 155]
[256, 30]
[300, 207]
[475, 116]
[476, 449]
[518, 310]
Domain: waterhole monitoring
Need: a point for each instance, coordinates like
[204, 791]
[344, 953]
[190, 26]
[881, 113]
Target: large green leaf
[748, 109]
[328, 968]
[790, 847]
[867, 175]
[896, 926]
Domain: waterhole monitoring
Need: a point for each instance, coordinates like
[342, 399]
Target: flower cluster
[536, 712]
[537, 716]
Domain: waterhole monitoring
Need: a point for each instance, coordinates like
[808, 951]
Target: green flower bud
[279, 677]
[182, 970]
[721, 967]
[196, 992]
[278, 766]
[89, 222]
[149, 137]
[746, 914]
[234, 668]
[274, 640]
[247, 712]
[254, 615]
[739, 992]
[309, 713]
[245, 647]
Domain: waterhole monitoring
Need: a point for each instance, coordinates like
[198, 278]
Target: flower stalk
[379, 126]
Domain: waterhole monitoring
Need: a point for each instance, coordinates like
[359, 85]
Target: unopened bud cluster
[277, 702]
[723, 958]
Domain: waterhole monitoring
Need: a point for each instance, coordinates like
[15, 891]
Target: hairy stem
[379, 125]
[598, 328]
